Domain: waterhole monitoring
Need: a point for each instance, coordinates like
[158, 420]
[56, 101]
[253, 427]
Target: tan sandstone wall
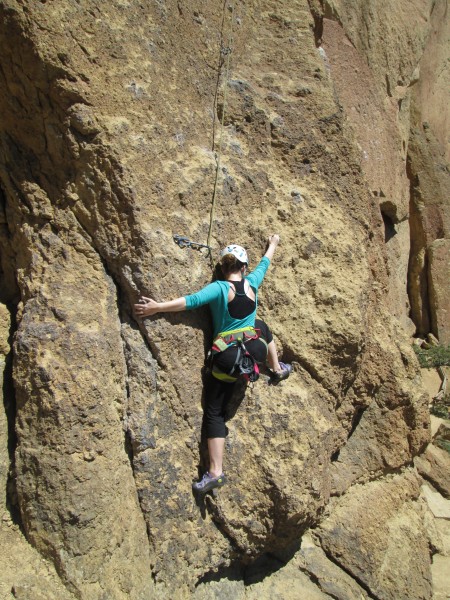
[428, 165]
[109, 137]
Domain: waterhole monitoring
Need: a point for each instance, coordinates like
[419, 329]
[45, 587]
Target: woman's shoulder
[217, 287]
[220, 283]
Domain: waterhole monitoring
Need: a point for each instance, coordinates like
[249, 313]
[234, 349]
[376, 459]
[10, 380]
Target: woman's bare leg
[216, 448]
[272, 357]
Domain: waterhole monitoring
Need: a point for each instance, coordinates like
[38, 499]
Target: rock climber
[233, 303]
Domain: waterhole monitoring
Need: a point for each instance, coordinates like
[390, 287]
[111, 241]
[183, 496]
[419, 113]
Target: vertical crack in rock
[417, 280]
[9, 294]
[138, 418]
[124, 319]
[356, 418]
[315, 6]
[8, 326]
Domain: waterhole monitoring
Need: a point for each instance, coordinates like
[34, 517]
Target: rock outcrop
[110, 136]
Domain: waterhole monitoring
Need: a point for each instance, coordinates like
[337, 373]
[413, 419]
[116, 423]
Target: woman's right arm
[256, 277]
[273, 240]
[147, 306]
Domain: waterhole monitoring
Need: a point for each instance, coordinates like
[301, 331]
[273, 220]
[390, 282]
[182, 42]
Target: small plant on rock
[433, 356]
[441, 408]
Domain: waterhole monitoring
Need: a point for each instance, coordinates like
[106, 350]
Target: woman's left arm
[147, 306]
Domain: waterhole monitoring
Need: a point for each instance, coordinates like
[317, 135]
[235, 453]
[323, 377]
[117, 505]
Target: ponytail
[230, 264]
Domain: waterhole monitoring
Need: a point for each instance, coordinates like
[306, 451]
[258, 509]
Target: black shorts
[218, 393]
[257, 348]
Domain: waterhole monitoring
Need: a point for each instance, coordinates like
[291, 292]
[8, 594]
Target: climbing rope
[225, 51]
[225, 56]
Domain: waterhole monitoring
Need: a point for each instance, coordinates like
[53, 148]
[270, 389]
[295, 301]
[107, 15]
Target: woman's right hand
[274, 239]
[146, 307]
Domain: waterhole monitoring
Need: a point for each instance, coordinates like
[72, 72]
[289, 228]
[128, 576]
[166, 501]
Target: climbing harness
[244, 364]
[185, 242]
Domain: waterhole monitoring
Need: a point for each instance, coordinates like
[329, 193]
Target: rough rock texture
[434, 465]
[439, 287]
[370, 534]
[109, 141]
[428, 169]
[24, 573]
[395, 96]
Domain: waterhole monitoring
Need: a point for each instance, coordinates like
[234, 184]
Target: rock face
[110, 137]
[428, 159]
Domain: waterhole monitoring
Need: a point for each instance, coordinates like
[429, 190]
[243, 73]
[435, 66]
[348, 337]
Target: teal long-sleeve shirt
[216, 295]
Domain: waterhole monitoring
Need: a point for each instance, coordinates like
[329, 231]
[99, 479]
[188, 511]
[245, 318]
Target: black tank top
[241, 306]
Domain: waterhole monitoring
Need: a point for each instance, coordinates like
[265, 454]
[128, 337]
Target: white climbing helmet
[237, 251]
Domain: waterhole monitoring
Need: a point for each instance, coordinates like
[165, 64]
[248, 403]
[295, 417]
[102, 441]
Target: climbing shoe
[208, 483]
[286, 370]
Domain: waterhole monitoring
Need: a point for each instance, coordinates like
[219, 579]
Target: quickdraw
[185, 242]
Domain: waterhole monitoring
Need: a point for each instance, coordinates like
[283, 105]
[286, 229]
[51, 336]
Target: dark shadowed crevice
[275, 552]
[233, 572]
[389, 227]
[9, 290]
[264, 566]
[9, 297]
[317, 15]
[9, 406]
[278, 550]
[335, 456]
[128, 443]
[269, 563]
[256, 570]
[356, 419]
[320, 10]
[417, 275]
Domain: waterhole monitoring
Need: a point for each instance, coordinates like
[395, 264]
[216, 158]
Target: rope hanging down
[225, 51]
